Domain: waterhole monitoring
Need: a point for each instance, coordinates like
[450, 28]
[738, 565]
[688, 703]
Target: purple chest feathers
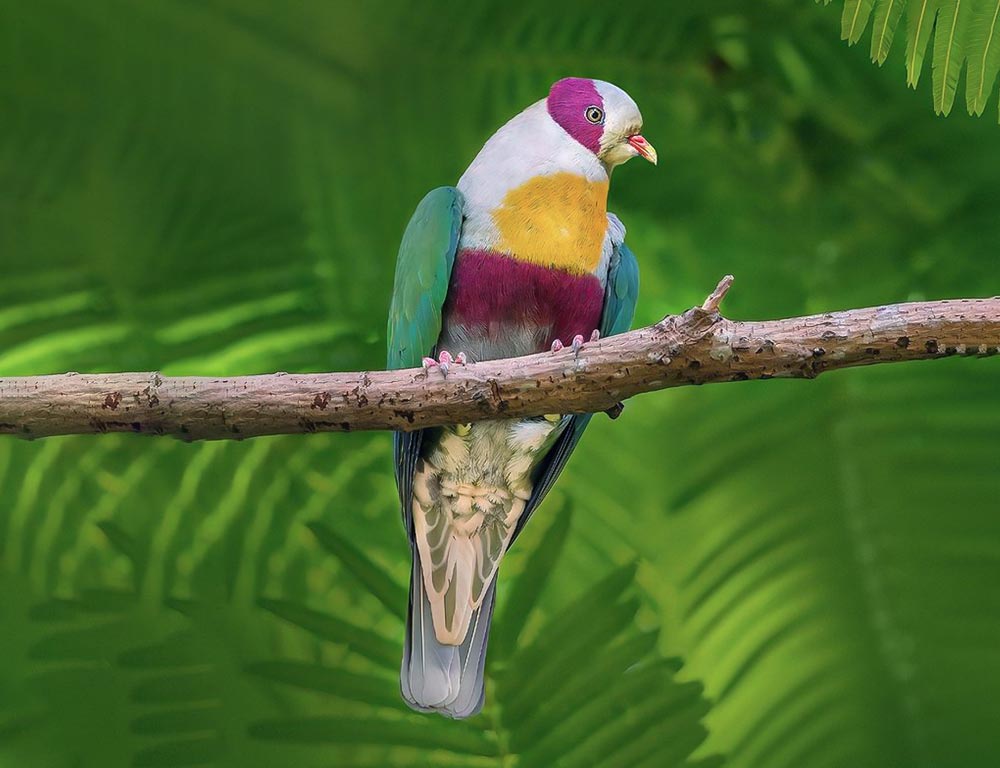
[492, 295]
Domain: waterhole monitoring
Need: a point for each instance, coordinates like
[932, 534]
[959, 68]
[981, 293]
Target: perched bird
[521, 257]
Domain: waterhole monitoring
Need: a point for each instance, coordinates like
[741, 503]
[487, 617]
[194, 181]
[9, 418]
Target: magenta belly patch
[490, 291]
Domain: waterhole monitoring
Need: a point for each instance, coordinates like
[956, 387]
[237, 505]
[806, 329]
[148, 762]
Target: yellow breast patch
[558, 220]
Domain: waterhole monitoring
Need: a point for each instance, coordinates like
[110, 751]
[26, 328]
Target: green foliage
[220, 187]
[199, 682]
[963, 31]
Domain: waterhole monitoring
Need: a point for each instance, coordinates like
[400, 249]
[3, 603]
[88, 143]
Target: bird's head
[602, 117]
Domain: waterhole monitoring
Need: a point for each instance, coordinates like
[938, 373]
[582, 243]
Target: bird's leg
[444, 361]
[460, 359]
[577, 343]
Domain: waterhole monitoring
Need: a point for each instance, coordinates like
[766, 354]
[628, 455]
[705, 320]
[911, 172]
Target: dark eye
[594, 115]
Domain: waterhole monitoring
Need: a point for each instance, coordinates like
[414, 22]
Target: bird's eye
[594, 115]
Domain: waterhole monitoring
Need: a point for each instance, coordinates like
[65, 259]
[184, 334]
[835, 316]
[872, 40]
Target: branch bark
[698, 347]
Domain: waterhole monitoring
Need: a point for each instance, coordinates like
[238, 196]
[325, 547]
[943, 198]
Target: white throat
[531, 144]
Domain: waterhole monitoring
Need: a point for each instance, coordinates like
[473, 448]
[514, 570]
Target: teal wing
[423, 271]
[622, 292]
[620, 298]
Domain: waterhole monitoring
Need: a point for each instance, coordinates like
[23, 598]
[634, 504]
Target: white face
[622, 121]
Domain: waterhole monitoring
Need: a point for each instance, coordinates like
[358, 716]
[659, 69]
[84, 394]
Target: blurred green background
[771, 574]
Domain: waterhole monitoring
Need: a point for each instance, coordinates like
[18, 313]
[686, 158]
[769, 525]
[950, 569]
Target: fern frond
[962, 30]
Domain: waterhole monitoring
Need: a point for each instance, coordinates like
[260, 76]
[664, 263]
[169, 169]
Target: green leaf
[326, 627]
[174, 721]
[577, 616]
[177, 650]
[389, 592]
[855, 19]
[639, 699]
[962, 30]
[887, 16]
[174, 688]
[351, 730]
[526, 591]
[567, 644]
[920, 16]
[984, 36]
[368, 689]
[949, 51]
[585, 687]
[198, 751]
[89, 644]
[121, 540]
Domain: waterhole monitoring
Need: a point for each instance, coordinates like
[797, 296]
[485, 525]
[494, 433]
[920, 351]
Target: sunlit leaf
[920, 22]
[984, 36]
[855, 19]
[949, 51]
[887, 16]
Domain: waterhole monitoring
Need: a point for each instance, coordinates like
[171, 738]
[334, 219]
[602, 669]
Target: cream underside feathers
[464, 515]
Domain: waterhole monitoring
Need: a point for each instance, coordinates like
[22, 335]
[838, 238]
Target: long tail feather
[447, 679]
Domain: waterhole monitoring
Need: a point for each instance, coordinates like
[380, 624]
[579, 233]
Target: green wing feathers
[423, 269]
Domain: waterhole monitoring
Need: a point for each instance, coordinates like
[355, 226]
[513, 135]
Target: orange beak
[643, 147]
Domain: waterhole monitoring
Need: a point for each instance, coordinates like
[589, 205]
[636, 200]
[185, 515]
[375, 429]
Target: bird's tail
[447, 679]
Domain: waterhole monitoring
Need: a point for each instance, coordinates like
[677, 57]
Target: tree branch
[697, 347]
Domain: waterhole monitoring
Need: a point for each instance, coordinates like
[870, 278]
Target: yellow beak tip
[643, 148]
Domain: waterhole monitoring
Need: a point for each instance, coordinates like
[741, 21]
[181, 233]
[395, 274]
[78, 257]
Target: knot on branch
[697, 322]
[711, 304]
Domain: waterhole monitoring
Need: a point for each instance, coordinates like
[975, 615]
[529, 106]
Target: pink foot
[577, 343]
[444, 361]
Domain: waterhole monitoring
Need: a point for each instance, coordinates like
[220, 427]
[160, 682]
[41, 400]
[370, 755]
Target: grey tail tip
[446, 679]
